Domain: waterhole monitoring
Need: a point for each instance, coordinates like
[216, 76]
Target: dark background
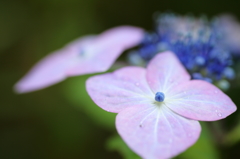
[58, 122]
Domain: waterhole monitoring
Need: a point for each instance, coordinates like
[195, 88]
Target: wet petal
[123, 88]
[156, 132]
[165, 72]
[200, 100]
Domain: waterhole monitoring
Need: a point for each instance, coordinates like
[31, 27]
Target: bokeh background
[61, 122]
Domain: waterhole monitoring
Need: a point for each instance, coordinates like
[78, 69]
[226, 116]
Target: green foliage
[204, 148]
[233, 137]
[115, 143]
[75, 92]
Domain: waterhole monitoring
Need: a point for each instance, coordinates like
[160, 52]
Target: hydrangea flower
[197, 42]
[90, 54]
[158, 107]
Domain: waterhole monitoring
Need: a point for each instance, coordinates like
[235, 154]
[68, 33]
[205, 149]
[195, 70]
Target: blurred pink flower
[229, 28]
[86, 55]
[159, 106]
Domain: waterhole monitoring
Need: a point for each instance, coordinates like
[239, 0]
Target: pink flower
[86, 55]
[229, 28]
[159, 106]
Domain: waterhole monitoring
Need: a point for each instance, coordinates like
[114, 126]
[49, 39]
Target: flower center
[159, 97]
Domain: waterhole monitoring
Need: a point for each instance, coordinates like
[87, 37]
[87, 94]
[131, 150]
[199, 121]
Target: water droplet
[216, 111]
[219, 114]
[140, 125]
[216, 91]
[137, 84]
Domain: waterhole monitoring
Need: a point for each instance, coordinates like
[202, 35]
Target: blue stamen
[159, 97]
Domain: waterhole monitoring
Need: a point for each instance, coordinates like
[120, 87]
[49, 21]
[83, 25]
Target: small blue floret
[159, 97]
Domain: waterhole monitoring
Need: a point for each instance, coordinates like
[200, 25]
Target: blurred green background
[61, 122]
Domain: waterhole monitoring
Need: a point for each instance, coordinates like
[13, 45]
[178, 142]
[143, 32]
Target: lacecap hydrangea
[205, 47]
[158, 106]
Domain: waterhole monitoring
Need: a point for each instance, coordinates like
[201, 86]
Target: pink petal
[156, 132]
[105, 49]
[124, 36]
[200, 100]
[48, 71]
[86, 55]
[123, 88]
[165, 71]
[92, 62]
[51, 69]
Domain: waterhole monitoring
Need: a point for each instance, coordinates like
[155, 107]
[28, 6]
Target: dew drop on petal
[216, 111]
[219, 114]
[137, 84]
[216, 91]
[140, 125]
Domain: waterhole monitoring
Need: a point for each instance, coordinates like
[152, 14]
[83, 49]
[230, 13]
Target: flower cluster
[197, 42]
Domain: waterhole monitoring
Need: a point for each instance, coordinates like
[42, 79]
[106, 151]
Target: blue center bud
[159, 97]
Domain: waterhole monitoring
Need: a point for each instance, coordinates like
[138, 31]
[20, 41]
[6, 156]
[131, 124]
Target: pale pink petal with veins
[200, 100]
[156, 133]
[165, 72]
[123, 88]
